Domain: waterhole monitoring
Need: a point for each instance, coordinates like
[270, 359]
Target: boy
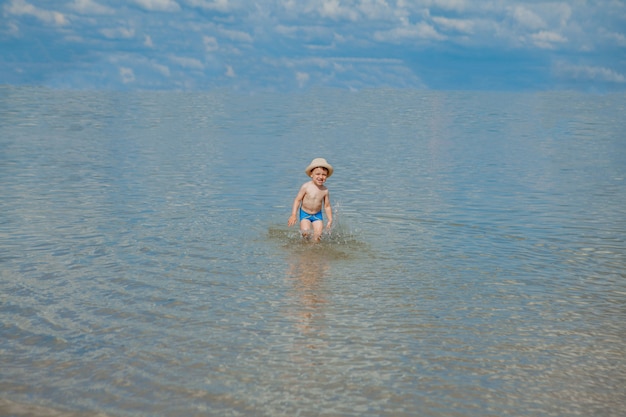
[312, 196]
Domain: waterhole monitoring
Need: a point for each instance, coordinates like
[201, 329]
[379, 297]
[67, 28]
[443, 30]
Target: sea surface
[476, 267]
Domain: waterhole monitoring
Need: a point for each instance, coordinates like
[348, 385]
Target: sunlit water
[477, 266]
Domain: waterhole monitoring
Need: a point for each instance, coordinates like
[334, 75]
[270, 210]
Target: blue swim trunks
[311, 217]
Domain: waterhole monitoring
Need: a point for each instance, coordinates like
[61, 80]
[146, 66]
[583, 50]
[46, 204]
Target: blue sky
[286, 45]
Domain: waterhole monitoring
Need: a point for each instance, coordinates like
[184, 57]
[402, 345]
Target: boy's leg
[305, 228]
[318, 228]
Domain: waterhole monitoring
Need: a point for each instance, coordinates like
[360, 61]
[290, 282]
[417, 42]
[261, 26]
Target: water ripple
[476, 266]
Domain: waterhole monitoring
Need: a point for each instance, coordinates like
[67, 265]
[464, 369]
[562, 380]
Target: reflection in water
[308, 266]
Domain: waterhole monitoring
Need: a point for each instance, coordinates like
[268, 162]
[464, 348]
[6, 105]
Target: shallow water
[477, 266]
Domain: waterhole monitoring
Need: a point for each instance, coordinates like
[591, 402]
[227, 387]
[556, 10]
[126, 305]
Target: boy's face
[319, 175]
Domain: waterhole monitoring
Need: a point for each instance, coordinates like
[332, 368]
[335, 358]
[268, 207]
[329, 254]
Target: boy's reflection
[307, 269]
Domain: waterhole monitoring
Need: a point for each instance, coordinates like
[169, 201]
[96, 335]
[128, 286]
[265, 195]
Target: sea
[476, 265]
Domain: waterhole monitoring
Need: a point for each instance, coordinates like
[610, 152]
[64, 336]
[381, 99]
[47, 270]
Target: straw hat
[319, 162]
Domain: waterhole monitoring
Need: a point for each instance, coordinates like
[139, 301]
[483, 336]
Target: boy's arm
[293, 219]
[329, 211]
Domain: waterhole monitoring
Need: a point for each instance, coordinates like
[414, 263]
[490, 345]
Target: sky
[290, 45]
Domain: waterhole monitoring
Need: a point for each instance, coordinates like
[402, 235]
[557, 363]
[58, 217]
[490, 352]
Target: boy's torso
[313, 198]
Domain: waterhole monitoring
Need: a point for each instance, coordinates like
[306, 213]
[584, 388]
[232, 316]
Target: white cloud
[547, 40]
[219, 5]
[617, 38]
[12, 29]
[585, 72]
[302, 78]
[127, 74]
[453, 5]
[118, 33]
[459, 25]
[287, 30]
[148, 41]
[377, 61]
[90, 7]
[159, 5]
[236, 35]
[308, 33]
[230, 72]
[527, 18]
[210, 44]
[531, 24]
[419, 31]
[160, 68]
[375, 9]
[562, 13]
[21, 8]
[186, 62]
[347, 72]
[338, 62]
[310, 37]
[334, 10]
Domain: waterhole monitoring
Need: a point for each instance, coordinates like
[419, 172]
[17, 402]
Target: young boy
[312, 197]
